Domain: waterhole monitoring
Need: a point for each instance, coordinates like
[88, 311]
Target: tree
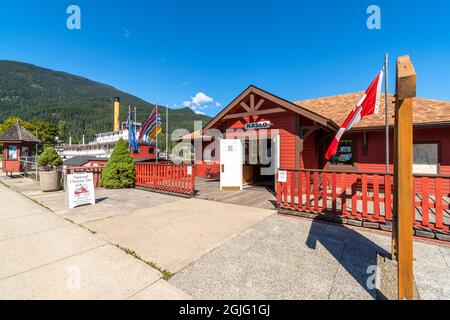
[46, 132]
[62, 131]
[120, 169]
[11, 121]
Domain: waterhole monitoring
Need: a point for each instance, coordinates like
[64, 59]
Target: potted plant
[51, 171]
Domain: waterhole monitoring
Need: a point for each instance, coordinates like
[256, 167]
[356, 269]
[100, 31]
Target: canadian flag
[367, 105]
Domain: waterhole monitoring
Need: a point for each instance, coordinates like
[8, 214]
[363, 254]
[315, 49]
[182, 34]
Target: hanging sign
[257, 125]
[189, 170]
[79, 189]
[282, 176]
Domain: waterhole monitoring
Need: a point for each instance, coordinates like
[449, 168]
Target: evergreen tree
[62, 131]
[120, 169]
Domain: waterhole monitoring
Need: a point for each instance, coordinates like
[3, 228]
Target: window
[344, 153]
[12, 152]
[151, 150]
[426, 158]
[25, 151]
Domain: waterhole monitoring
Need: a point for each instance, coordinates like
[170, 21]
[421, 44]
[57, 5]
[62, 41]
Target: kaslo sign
[79, 189]
[257, 125]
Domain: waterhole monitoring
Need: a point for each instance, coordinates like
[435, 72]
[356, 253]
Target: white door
[231, 164]
[276, 154]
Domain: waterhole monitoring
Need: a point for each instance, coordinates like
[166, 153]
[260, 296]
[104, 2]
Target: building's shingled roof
[337, 108]
[77, 161]
[82, 160]
[17, 133]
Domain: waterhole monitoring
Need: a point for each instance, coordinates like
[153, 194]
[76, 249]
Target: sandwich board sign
[80, 189]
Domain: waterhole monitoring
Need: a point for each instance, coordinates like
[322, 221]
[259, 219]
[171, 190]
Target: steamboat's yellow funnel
[116, 114]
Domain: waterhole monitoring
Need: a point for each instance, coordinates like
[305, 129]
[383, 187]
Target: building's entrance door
[231, 164]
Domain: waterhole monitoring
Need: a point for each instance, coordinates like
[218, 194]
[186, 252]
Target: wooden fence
[166, 177]
[97, 171]
[365, 196]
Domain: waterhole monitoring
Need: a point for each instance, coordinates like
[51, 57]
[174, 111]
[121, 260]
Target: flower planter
[50, 180]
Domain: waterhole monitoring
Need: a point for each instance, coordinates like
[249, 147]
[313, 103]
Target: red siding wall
[96, 163]
[285, 123]
[144, 152]
[310, 157]
[374, 161]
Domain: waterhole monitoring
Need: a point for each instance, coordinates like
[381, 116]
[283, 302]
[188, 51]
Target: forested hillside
[32, 92]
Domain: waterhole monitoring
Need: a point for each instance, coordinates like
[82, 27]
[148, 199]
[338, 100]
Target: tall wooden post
[403, 195]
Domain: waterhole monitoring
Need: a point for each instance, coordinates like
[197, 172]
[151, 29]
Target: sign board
[282, 176]
[79, 189]
[189, 170]
[426, 158]
[257, 125]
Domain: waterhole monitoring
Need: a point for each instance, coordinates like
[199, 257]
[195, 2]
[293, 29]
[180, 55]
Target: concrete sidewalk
[44, 256]
[173, 235]
[291, 258]
[109, 203]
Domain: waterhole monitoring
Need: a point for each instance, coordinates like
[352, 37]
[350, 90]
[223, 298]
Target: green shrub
[120, 169]
[50, 158]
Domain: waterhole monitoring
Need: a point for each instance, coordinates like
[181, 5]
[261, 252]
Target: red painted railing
[166, 177]
[364, 196]
[97, 172]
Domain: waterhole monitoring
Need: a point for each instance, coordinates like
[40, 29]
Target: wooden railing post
[403, 194]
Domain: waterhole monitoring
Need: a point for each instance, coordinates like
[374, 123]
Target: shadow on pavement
[357, 257]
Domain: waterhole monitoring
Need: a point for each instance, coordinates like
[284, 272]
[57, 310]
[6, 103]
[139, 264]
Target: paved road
[44, 256]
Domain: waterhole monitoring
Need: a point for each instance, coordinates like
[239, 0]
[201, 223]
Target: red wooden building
[85, 161]
[17, 143]
[147, 152]
[305, 129]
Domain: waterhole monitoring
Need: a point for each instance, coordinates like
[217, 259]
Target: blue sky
[171, 50]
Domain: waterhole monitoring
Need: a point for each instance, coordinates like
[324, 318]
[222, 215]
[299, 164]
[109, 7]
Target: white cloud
[201, 113]
[199, 102]
[218, 104]
[126, 32]
[200, 98]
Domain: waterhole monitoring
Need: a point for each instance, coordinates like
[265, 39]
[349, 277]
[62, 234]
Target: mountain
[28, 91]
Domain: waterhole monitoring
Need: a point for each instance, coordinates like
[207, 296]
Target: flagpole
[156, 132]
[386, 61]
[128, 125]
[136, 141]
[167, 132]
